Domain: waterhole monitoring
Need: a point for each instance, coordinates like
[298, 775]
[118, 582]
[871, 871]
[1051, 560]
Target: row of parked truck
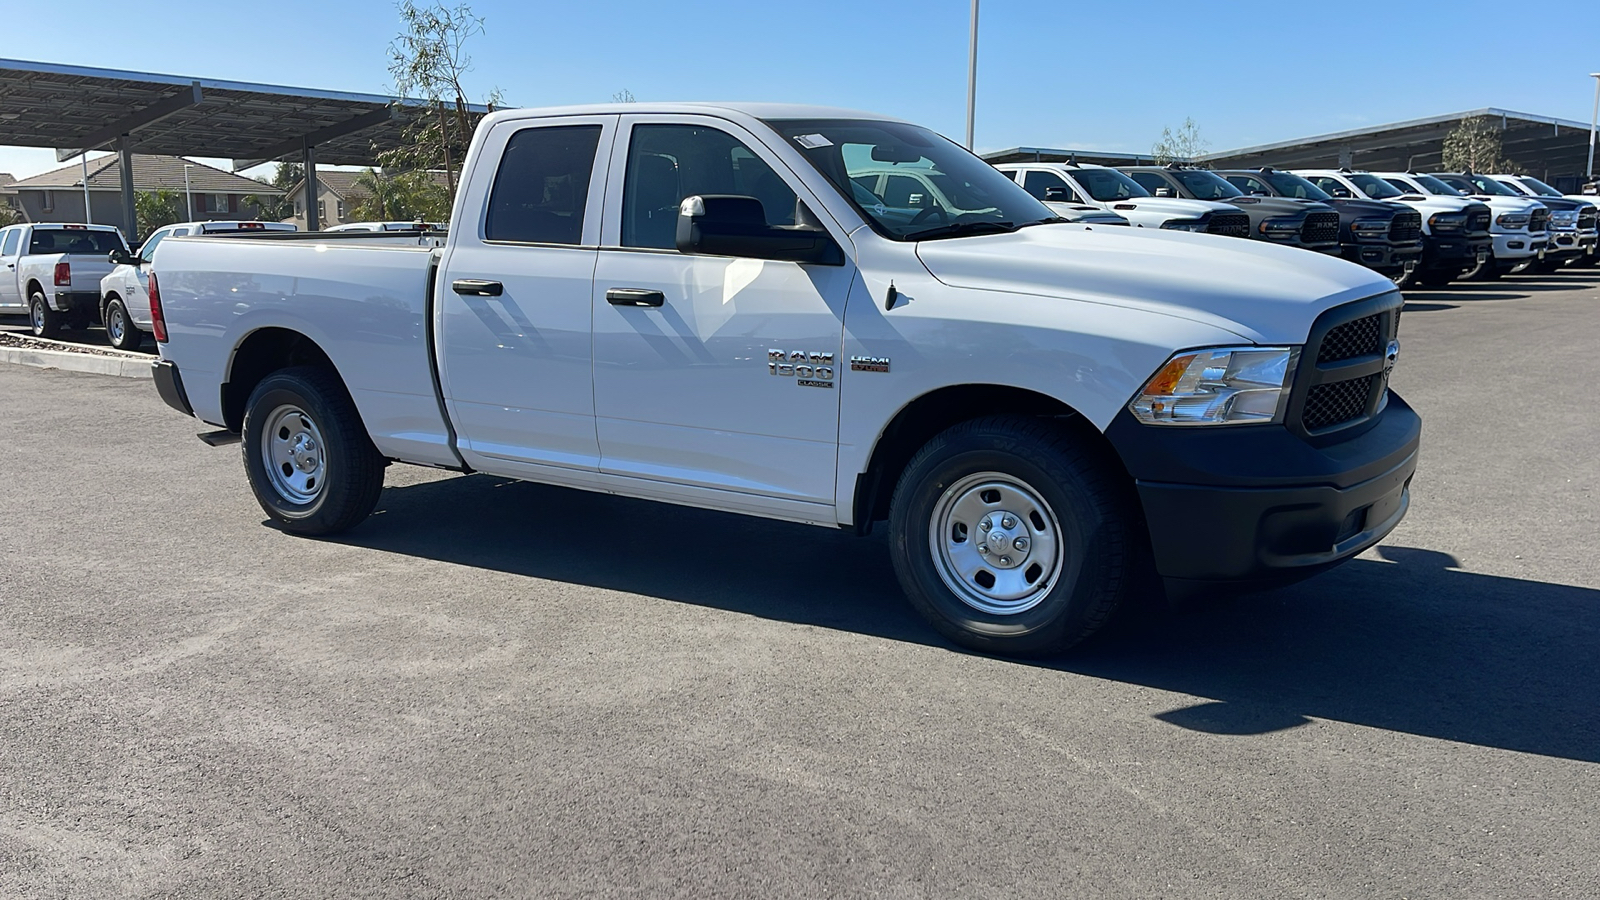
[1417, 228]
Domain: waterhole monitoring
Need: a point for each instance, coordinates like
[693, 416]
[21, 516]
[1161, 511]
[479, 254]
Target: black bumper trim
[169, 384]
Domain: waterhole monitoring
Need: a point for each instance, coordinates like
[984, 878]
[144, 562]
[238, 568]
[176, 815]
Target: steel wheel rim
[294, 455]
[996, 543]
[36, 313]
[115, 324]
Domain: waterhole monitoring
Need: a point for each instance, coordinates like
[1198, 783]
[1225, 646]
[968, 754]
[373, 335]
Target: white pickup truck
[52, 273]
[702, 304]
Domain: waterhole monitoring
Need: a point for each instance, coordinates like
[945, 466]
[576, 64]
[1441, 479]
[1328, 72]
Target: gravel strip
[29, 342]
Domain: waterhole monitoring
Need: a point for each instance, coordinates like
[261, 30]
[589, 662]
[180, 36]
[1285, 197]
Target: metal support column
[130, 215]
[972, 75]
[308, 159]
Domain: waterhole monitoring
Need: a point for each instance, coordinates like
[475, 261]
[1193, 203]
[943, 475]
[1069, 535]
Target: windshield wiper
[962, 229]
[1053, 220]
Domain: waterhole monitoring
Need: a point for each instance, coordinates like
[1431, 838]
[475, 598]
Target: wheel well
[919, 421]
[35, 288]
[265, 351]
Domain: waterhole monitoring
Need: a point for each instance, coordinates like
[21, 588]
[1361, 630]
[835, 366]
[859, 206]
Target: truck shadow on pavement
[1409, 643]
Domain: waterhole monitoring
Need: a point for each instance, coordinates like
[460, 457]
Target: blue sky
[1050, 72]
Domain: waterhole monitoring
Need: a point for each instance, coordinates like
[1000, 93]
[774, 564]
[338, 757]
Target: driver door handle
[472, 287]
[634, 297]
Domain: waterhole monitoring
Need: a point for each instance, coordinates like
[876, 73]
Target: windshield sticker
[812, 141]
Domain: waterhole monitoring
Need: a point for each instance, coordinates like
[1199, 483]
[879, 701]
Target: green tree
[403, 197]
[9, 215]
[1474, 144]
[428, 59]
[1183, 145]
[153, 209]
[277, 207]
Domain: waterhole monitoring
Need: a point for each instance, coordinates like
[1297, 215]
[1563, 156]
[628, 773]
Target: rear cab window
[74, 240]
[541, 189]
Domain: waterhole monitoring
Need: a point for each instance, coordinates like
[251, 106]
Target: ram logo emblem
[809, 368]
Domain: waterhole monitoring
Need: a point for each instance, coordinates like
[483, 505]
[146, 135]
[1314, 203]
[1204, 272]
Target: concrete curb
[78, 362]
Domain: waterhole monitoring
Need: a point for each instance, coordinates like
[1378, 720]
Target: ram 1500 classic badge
[807, 368]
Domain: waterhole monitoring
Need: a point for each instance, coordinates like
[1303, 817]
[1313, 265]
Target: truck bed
[363, 298]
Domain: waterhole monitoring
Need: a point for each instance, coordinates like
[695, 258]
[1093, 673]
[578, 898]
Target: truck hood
[1500, 203]
[1171, 207]
[1273, 207]
[1352, 208]
[1262, 292]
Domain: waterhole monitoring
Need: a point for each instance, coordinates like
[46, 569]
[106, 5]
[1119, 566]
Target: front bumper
[1384, 258]
[1518, 245]
[1258, 505]
[76, 301]
[1459, 252]
[169, 384]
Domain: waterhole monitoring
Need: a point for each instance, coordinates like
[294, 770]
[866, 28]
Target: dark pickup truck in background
[1294, 223]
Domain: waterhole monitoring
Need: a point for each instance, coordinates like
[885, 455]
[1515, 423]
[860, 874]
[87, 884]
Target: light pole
[188, 198]
[972, 73]
[1593, 118]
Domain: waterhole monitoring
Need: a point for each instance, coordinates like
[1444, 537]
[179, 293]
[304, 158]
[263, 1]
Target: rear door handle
[472, 287]
[634, 297]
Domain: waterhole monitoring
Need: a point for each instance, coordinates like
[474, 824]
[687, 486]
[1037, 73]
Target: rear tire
[120, 330]
[44, 322]
[1063, 560]
[310, 462]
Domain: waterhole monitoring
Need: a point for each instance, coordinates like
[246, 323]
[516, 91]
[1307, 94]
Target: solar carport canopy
[77, 108]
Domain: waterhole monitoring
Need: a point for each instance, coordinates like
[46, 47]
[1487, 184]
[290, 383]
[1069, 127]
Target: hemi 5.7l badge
[869, 363]
[807, 368]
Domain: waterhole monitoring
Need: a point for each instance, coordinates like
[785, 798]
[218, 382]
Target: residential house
[57, 195]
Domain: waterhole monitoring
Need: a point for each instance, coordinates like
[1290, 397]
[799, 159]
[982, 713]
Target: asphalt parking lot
[454, 700]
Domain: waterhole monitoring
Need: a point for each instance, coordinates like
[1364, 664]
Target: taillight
[158, 322]
[63, 274]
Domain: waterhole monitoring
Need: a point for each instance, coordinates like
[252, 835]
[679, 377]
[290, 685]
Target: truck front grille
[1230, 224]
[1539, 220]
[1588, 218]
[1478, 219]
[1337, 402]
[1320, 228]
[1405, 227]
[1362, 337]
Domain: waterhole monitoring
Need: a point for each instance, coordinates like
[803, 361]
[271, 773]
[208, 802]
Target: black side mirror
[121, 257]
[734, 225]
[1058, 194]
[1341, 192]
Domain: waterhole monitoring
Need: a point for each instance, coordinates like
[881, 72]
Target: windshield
[1434, 186]
[1540, 188]
[1291, 185]
[74, 240]
[1108, 185]
[1206, 185]
[910, 183]
[1373, 186]
[1483, 184]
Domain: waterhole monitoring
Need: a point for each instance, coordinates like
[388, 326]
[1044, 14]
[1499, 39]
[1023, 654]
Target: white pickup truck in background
[1116, 193]
[52, 273]
[124, 303]
[710, 305]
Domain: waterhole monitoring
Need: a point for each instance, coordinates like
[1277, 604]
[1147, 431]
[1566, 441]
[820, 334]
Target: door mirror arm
[736, 225]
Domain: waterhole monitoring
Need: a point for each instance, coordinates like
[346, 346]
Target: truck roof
[74, 226]
[754, 110]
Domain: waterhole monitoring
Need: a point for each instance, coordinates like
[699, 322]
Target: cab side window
[9, 247]
[667, 163]
[1250, 185]
[542, 187]
[1037, 183]
[148, 251]
[1330, 185]
[1150, 181]
[1401, 186]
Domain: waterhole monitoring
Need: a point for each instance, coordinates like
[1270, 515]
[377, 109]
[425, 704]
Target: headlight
[1184, 225]
[1280, 228]
[1370, 228]
[1447, 221]
[1513, 220]
[1566, 219]
[1220, 386]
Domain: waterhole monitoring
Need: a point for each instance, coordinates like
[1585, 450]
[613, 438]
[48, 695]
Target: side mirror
[121, 257]
[1058, 194]
[734, 225]
[1163, 192]
[1341, 192]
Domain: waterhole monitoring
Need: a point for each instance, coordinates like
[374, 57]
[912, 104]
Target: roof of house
[150, 173]
[343, 184]
[6, 180]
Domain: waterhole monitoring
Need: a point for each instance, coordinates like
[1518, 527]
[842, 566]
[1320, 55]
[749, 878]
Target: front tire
[44, 322]
[1063, 558]
[310, 462]
[120, 330]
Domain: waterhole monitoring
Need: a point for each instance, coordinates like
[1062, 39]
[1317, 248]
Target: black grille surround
[1320, 228]
[1539, 220]
[1478, 219]
[1230, 224]
[1588, 217]
[1405, 227]
[1343, 376]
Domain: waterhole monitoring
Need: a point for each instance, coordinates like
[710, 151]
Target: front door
[514, 301]
[10, 247]
[714, 377]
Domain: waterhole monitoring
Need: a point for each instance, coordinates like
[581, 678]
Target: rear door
[513, 305]
[10, 253]
[719, 385]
